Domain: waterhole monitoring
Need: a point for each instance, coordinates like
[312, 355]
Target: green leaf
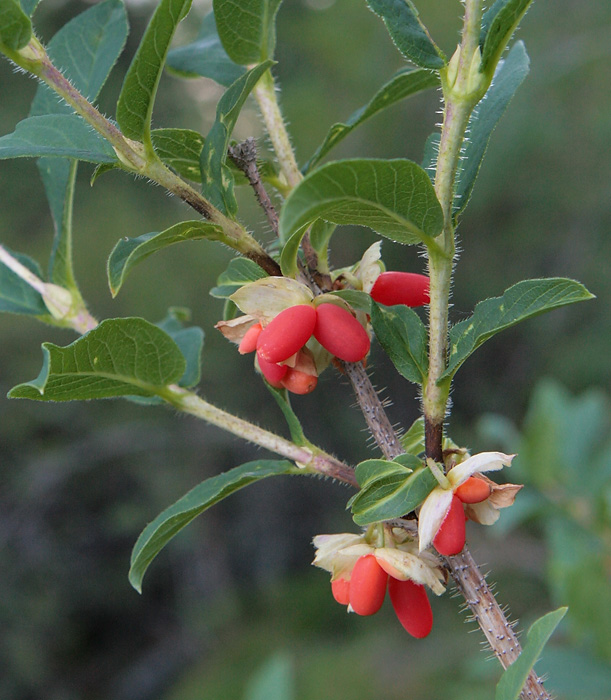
[239, 272]
[205, 57]
[28, 6]
[403, 336]
[393, 197]
[507, 80]
[58, 135]
[518, 303]
[394, 493]
[15, 25]
[431, 151]
[410, 36]
[290, 252]
[190, 341]
[135, 105]
[413, 440]
[169, 523]
[320, 235]
[120, 357]
[180, 149]
[403, 84]
[247, 28]
[283, 401]
[128, 252]
[85, 50]
[360, 301]
[217, 180]
[513, 679]
[58, 177]
[498, 24]
[16, 295]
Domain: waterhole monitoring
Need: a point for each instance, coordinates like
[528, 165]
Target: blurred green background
[232, 609]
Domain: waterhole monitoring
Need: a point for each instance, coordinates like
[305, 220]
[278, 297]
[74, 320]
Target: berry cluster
[365, 591]
[281, 355]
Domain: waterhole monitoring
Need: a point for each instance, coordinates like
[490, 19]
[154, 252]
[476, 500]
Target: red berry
[473, 490]
[249, 341]
[288, 332]
[273, 372]
[406, 288]
[341, 590]
[450, 538]
[338, 331]
[367, 586]
[411, 604]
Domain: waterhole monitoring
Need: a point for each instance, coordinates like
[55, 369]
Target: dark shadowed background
[234, 594]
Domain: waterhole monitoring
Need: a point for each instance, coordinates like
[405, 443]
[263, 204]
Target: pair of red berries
[366, 590]
[450, 538]
[281, 355]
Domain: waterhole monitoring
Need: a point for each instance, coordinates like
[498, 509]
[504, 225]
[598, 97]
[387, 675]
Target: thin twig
[244, 155]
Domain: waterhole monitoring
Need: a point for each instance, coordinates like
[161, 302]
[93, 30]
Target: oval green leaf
[498, 24]
[403, 84]
[121, 357]
[402, 334]
[205, 57]
[513, 679]
[408, 33]
[57, 135]
[137, 97]
[520, 302]
[128, 252]
[394, 493]
[15, 25]
[484, 119]
[217, 179]
[239, 272]
[172, 520]
[16, 295]
[247, 28]
[393, 197]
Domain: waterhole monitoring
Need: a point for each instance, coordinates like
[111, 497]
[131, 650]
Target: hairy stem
[134, 158]
[488, 614]
[265, 94]
[244, 155]
[310, 458]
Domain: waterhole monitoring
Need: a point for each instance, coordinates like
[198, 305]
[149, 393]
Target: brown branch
[244, 155]
[377, 421]
[463, 568]
[491, 619]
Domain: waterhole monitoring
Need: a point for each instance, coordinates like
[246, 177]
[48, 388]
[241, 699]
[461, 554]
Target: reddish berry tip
[367, 586]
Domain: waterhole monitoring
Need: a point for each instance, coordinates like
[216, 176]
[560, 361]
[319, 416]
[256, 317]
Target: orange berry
[411, 604]
[450, 538]
[302, 378]
[288, 332]
[341, 590]
[473, 490]
[273, 372]
[299, 382]
[407, 288]
[338, 331]
[367, 586]
[249, 341]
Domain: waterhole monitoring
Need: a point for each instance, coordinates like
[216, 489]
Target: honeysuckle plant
[300, 315]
